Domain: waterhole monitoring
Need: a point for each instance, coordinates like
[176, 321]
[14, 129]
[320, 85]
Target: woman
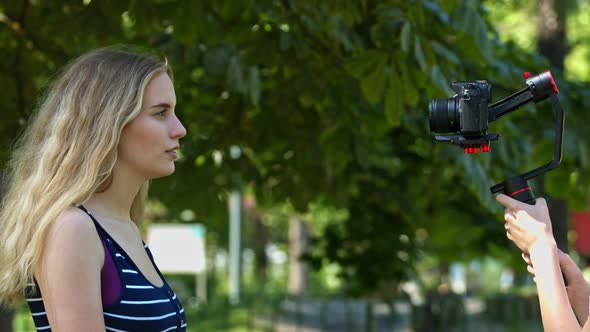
[76, 189]
[529, 227]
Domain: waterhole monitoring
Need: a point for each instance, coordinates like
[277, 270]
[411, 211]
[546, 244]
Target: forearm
[581, 308]
[556, 311]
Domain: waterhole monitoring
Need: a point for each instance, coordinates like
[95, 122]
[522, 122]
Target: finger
[530, 269]
[541, 201]
[510, 203]
[526, 258]
[565, 262]
[508, 213]
[510, 219]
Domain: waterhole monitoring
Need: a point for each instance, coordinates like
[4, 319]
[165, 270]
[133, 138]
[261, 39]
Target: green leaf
[410, 90]
[477, 181]
[443, 51]
[406, 37]
[393, 106]
[419, 54]
[360, 64]
[440, 80]
[482, 37]
[434, 8]
[373, 83]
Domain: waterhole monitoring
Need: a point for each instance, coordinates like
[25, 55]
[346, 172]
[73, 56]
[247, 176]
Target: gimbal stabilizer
[468, 114]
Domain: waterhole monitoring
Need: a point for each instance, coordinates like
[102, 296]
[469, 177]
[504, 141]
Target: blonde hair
[67, 153]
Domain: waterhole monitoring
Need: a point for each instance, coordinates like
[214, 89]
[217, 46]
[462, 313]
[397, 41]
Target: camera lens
[444, 115]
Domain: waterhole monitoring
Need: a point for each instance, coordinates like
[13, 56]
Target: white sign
[178, 248]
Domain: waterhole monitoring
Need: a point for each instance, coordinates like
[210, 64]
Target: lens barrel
[443, 115]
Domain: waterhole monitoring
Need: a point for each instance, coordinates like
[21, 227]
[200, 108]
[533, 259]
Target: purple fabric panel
[109, 278]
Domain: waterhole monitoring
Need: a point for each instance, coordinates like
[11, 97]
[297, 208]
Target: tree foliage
[327, 102]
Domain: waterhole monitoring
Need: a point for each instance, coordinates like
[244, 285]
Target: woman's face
[149, 142]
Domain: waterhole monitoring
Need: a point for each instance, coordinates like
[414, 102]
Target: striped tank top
[141, 306]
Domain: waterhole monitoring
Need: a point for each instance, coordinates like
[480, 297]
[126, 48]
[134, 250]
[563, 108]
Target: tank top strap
[101, 231]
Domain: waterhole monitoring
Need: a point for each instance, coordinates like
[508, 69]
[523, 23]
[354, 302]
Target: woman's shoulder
[73, 230]
[73, 222]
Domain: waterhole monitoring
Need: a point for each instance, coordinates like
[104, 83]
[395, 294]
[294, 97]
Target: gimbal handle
[518, 188]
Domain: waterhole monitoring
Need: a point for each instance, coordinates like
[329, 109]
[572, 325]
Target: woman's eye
[161, 113]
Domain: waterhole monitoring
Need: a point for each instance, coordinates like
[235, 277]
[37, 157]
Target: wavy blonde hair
[67, 153]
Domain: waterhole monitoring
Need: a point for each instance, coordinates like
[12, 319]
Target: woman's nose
[177, 130]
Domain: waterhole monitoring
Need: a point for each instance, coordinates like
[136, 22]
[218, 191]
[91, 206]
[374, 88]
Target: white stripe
[174, 297]
[43, 328]
[145, 245]
[112, 329]
[138, 287]
[169, 329]
[129, 271]
[183, 325]
[119, 255]
[140, 318]
[35, 299]
[145, 302]
[39, 313]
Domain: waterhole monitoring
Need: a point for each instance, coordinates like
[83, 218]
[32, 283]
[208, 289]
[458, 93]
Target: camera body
[465, 113]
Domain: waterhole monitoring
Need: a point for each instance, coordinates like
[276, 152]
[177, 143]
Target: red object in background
[582, 227]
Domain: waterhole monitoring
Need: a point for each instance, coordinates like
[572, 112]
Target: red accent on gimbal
[470, 149]
[553, 82]
[526, 74]
[519, 191]
[473, 149]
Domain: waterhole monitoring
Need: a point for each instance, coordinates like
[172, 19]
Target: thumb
[508, 202]
[567, 265]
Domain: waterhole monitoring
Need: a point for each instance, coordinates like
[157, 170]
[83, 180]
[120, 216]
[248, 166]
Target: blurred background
[310, 194]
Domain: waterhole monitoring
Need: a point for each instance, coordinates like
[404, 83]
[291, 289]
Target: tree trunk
[552, 41]
[298, 270]
[261, 240]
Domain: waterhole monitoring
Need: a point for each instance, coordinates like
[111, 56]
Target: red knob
[526, 74]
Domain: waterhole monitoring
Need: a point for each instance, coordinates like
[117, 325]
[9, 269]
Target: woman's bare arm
[556, 311]
[529, 228]
[69, 274]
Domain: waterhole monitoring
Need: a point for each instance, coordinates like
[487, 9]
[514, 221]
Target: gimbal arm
[509, 104]
[517, 186]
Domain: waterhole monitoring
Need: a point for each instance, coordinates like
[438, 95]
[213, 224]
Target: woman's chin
[164, 172]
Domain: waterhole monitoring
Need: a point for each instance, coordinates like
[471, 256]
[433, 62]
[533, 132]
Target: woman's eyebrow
[162, 105]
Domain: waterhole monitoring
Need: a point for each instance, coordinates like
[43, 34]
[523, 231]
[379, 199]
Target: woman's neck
[115, 202]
